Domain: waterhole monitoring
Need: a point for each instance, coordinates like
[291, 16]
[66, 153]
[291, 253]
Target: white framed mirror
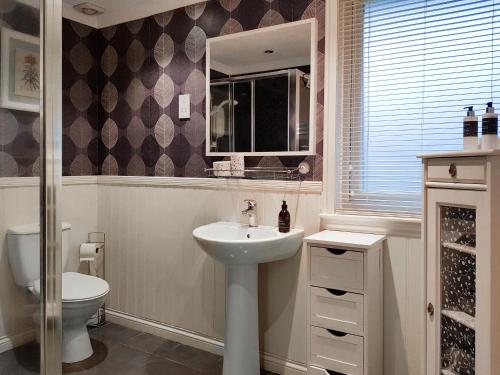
[261, 91]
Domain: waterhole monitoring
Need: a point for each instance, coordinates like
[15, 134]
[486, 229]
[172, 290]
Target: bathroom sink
[239, 244]
[242, 248]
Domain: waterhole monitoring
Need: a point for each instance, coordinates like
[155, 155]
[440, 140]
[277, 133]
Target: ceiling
[119, 11]
[245, 52]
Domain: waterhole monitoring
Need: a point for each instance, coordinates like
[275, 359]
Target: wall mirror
[261, 91]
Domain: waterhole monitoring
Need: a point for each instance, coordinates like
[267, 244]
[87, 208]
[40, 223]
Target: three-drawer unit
[345, 307]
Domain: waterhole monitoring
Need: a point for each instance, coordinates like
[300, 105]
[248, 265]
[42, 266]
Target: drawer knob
[337, 292]
[453, 170]
[337, 333]
[336, 251]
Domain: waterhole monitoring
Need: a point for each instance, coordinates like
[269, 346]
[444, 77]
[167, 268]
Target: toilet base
[76, 344]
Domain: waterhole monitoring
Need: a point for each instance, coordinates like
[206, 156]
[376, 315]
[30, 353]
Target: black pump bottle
[284, 219]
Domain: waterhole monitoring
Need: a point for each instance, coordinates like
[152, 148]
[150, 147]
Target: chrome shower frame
[50, 187]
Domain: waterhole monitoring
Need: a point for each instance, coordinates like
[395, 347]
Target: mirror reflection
[261, 89]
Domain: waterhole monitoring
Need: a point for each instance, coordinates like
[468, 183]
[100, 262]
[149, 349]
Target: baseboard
[165, 331]
[269, 362]
[13, 341]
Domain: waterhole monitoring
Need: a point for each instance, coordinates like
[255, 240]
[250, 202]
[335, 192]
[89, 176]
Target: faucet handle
[251, 203]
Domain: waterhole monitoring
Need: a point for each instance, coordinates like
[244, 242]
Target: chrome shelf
[261, 173]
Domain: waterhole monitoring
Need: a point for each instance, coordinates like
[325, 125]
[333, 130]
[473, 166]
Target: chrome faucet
[250, 212]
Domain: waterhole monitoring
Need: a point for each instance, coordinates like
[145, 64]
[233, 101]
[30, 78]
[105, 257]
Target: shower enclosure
[30, 180]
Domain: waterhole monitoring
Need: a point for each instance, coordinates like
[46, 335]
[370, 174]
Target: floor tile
[198, 359]
[112, 334]
[123, 351]
[152, 344]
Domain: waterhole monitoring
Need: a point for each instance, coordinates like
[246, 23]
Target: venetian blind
[407, 68]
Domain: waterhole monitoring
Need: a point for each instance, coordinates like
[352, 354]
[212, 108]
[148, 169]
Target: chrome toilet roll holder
[99, 318]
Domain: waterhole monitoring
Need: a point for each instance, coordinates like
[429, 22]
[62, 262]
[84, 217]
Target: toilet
[82, 295]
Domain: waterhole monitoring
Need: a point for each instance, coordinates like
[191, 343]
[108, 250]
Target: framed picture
[20, 75]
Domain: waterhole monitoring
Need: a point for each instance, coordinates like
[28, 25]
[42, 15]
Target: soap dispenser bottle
[470, 129]
[284, 219]
[489, 139]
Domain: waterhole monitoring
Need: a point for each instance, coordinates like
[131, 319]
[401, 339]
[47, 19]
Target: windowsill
[390, 226]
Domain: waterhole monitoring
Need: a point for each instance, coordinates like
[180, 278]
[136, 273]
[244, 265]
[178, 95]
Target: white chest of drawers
[345, 303]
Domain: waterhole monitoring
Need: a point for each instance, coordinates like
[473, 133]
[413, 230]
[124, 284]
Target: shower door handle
[430, 309]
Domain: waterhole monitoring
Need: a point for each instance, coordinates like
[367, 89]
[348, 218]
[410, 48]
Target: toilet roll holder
[99, 318]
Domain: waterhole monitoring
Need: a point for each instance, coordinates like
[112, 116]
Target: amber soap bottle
[284, 219]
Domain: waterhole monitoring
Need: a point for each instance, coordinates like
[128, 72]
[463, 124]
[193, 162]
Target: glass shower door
[30, 230]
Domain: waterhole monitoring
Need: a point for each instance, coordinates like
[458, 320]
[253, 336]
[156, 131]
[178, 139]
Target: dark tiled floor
[119, 350]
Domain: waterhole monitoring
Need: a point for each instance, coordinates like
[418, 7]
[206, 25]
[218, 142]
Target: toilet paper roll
[237, 165]
[90, 252]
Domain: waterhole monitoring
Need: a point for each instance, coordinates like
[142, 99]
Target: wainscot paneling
[158, 272]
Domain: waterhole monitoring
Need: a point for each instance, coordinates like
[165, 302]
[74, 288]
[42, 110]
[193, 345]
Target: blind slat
[407, 68]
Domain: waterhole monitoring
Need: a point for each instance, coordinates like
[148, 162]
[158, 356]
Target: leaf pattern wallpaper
[121, 86]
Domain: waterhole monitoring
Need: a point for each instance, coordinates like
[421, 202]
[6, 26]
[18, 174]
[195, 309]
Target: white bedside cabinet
[345, 303]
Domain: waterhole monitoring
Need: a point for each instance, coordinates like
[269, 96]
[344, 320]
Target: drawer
[337, 269]
[312, 370]
[338, 310]
[336, 351]
[465, 170]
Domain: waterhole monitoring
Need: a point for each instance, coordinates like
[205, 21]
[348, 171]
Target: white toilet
[82, 295]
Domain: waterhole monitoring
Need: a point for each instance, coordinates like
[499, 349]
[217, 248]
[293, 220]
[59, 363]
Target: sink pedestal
[241, 348]
[241, 248]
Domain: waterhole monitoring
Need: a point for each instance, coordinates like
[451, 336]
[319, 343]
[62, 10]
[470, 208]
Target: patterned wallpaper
[147, 63]
[82, 49]
[121, 87]
[19, 130]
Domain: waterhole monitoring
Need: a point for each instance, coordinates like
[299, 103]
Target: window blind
[407, 68]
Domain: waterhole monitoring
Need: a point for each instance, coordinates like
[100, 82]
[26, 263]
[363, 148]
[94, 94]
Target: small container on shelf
[470, 130]
[489, 138]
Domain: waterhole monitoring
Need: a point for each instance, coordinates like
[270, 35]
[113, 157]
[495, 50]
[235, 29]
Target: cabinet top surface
[457, 154]
[344, 239]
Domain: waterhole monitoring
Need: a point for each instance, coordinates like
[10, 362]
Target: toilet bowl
[82, 295]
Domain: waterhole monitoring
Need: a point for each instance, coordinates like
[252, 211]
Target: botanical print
[27, 74]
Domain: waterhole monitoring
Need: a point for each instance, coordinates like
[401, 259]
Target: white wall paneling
[157, 272]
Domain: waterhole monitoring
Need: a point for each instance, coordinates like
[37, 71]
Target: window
[408, 67]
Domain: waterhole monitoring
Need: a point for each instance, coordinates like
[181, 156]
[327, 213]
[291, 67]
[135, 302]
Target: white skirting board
[268, 361]
[11, 342]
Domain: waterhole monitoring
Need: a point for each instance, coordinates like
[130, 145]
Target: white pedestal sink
[242, 248]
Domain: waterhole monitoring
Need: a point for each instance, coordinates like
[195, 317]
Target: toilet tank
[23, 243]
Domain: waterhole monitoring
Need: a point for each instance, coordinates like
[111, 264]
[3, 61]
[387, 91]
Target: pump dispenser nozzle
[470, 110]
[489, 107]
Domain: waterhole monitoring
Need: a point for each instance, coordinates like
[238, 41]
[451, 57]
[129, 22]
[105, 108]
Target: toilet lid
[78, 287]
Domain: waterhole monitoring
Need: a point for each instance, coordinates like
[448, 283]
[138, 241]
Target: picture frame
[20, 71]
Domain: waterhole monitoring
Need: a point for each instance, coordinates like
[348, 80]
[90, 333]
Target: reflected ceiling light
[89, 9]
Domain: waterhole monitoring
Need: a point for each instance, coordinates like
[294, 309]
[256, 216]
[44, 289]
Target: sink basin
[242, 248]
[238, 244]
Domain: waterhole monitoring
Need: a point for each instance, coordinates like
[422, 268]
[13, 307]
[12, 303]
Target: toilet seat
[77, 287]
